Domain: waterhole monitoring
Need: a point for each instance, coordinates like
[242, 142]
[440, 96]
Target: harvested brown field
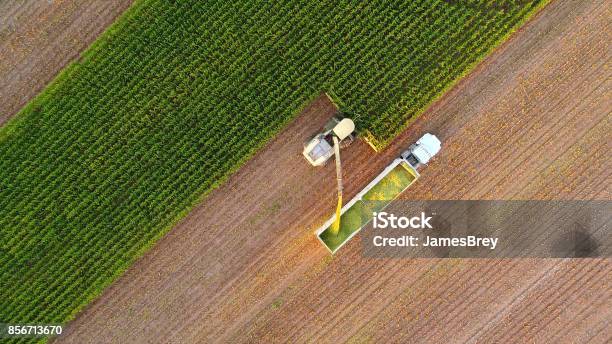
[531, 122]
[38, 38]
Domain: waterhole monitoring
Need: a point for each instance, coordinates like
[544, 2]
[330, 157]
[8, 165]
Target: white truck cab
[422, 151]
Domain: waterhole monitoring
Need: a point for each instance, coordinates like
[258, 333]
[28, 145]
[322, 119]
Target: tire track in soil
[541, 307]
[587, 193]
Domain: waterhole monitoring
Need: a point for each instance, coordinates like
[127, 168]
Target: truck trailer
[383, 189]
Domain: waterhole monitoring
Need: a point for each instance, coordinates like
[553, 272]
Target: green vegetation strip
[379, 196]
[177, 95]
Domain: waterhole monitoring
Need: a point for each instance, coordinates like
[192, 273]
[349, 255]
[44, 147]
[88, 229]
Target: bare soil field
[39, 37]
[531, 122]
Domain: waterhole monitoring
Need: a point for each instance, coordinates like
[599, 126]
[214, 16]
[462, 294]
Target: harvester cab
[320, 148]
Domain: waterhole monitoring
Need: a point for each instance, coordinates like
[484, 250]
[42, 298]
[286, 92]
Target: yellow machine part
[335, 228]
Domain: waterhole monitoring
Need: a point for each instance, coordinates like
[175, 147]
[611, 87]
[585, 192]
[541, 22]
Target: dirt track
[532, 122]
[39, 37]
